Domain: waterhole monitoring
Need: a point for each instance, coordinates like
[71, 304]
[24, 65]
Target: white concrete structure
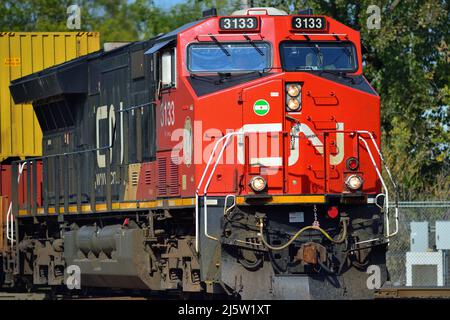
[425, 268]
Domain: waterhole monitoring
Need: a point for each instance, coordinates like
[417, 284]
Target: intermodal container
[23, 53]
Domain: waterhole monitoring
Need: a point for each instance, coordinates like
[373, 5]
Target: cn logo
[108, 114]
[317, 143]
[73, 280]
[374, 279]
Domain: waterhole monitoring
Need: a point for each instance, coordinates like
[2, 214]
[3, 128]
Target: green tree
[116, 20]
[182, 13]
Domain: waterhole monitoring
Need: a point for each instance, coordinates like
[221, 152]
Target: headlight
[258, 183]
[293, 90]
[293, 96]
[354, 182]
[293, 104]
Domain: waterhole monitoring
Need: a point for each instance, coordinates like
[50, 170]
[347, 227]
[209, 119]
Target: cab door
[261, 148]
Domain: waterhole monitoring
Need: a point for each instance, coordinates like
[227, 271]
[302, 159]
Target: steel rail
[412, 293]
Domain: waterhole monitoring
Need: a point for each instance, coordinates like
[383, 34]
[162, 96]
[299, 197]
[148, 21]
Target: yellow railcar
[23, 53]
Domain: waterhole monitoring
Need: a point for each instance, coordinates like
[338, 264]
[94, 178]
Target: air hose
[287, 244]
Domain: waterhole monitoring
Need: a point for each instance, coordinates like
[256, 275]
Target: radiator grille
[174, 181]
[162, 176]
[148, 176]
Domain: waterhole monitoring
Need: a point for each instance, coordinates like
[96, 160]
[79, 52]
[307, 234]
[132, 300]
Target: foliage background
[407, 61]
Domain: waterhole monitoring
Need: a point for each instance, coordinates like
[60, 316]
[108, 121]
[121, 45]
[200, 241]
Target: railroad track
[96, 295]
[413, 293]
[22, 296]
[383, 293]
[44, 296]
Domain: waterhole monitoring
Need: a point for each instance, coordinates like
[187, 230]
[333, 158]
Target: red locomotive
[236, 154]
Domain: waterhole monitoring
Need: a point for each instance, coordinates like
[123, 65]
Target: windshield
[229, 57]
[332, 56]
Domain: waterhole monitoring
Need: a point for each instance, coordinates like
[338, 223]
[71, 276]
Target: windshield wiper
[253, 44]
[220, 45]
[319, 54]
[347, 51]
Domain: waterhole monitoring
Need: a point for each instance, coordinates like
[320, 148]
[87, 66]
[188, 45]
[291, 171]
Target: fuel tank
[112, 256]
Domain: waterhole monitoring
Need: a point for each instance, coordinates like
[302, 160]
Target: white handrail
[198, 188]
[386, 200]
[205, 191]
[381, 156]
[227, 139]
[9, 218]
[205, 199]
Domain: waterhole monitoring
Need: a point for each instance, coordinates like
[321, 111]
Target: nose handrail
[386, 199]
[227, 137]
[205, 200]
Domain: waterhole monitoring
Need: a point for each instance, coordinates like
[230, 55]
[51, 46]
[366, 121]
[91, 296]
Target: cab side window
[167, 70]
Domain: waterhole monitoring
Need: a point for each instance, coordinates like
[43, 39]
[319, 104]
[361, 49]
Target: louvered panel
[148, 176]
[162, 176]
[174, 180]
[134, 178]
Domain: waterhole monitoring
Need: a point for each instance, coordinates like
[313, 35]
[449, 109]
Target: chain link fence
[419, 256]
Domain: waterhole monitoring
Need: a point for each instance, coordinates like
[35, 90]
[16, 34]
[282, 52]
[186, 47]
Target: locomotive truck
[235, 155]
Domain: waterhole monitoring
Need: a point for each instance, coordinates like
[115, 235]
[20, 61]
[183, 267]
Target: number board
[238, 23]
[309, 23]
